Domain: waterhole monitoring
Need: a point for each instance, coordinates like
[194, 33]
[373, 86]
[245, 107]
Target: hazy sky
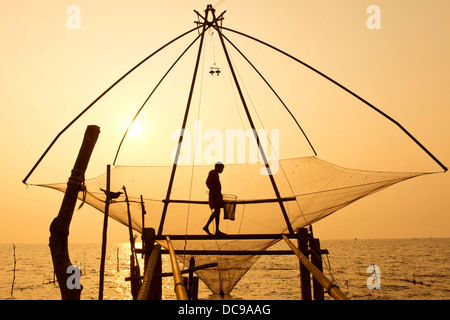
[52, 67]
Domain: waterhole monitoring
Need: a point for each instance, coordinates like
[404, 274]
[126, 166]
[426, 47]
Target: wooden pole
[329, 286]
[134, 263]
[192, 281]
[316, 259]
[183, 127]
[59, 228]
[148, 274]
[305, 277]
[143, 212]
[14, 272]
[117, 256]
[105, 230]
[180, 289]
[148, 243]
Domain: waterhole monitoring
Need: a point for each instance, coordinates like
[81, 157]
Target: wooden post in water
[305, 277]
[316, 259]
[105, 231]
[149, 272]
[327, 284]
[135, 272]
[14, 271]
[148, 242]
[59, 228]
[192, 281]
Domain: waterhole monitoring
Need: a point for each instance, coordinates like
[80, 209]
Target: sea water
[409, 269]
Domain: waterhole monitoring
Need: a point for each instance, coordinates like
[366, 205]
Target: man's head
[219, 167]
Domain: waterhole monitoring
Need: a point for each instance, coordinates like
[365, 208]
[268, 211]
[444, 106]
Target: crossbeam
[256, 236]
[236, 202]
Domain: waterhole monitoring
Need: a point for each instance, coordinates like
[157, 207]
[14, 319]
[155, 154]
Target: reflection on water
[401, 261]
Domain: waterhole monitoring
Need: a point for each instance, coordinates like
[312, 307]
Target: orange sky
[49, 73]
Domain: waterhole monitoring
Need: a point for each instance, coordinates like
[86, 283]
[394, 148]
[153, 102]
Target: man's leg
[217, 215]
[211, 218]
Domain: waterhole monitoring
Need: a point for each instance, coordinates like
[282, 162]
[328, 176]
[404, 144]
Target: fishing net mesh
[309, 187]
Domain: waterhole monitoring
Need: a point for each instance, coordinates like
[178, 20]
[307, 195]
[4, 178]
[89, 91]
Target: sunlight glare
[135, 128]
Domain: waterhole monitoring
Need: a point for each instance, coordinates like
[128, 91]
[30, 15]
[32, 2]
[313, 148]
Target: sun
[135, 128]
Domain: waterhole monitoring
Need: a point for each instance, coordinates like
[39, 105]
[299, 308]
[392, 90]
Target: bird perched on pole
[112, 195]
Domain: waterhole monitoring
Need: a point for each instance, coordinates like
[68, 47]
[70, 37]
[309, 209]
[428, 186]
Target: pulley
[214, 70]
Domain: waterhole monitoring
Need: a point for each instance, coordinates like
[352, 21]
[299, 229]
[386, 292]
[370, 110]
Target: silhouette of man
[215, 197]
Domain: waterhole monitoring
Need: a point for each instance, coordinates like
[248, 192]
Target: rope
[348, 91]
[268, 139]
[276, 94]
[99, 97]
[153, 91]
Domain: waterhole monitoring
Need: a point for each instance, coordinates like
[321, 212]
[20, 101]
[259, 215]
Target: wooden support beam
[170, 274]
[328, 285]
[235, 252]
[305, 278]
[180, 289]
[205, 237]
[59, 228]
[148, 240]
[147, 281]
[105, 232]
[316, 259]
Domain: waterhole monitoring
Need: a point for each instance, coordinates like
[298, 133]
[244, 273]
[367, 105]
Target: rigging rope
[276, 94]
[99, 97]
[153, 91]
[266, 135]
[347, 90]
[194, 153]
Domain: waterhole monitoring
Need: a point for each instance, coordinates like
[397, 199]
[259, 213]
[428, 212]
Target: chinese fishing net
[311, 188]
[300, 191]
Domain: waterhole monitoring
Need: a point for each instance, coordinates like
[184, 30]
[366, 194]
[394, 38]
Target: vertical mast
[263, 155]
[183, 126]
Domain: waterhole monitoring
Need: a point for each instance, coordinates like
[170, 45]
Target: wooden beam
[180, 289]
[105, 231]
[256, 236]
[328, 285]
[149, 272]
[59, 228]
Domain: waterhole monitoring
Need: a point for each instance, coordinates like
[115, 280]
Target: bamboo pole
[331, 288]
[183, 127]
[134, 263]
[14, 272]
[180, 289]
[105, 231]
[149, 271]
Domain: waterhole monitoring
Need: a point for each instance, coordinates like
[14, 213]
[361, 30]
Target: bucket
[229, 208]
